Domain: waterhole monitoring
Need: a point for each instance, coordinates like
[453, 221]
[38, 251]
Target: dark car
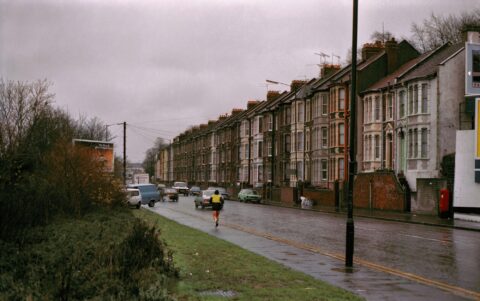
[195, 190]
[171, 194]
[222, 191]
[203, 200]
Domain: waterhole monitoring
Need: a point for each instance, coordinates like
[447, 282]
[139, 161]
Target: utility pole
[352, 164]
[125, 153]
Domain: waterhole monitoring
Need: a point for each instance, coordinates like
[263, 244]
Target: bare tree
[381, 36]
[151, 155]
[438, 30]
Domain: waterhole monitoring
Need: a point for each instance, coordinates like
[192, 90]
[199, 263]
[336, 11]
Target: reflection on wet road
[442, 256]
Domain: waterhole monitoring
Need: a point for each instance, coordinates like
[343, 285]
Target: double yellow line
[419, 279]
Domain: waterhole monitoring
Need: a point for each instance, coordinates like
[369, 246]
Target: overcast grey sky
[163, 66]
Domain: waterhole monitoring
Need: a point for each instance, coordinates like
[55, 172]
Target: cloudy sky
[163, 66]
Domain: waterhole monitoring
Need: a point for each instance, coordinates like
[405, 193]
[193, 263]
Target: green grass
[84, 259]
[208, 264]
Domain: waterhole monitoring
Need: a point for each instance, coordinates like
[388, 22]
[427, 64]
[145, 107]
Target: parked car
[148, 193]
[248, 195]
[195, 190]
[221, 190]
[171, 194]
[134, 198]
[203, 200]
[181, 187]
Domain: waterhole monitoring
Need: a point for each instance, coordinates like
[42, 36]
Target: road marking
[413, 277]
[426, 238]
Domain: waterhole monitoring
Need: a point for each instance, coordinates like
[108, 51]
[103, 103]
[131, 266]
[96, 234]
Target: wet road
[438, 257]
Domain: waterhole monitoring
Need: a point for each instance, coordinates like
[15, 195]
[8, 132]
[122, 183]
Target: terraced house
[299, 139]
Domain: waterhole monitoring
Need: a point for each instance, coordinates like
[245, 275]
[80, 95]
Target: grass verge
[208, 264]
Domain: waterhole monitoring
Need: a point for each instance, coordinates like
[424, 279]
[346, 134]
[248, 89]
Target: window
[410, 100]
[324, 104]
[341, 99]
[424, 98]
[341, 168]
[299, 171]
[377, 109]
[370, 109]
[307, 140]
[287, 143]
[365, 110]
[324, 137]
[377, 147]
[401, 100]
[307, 111]
[288, 115]
[424, 143]
[415, 143]
[299, 141]
[415, 99]
[390, 105]
[269, 148]
[341, 133]
[270, 122]
[247, 153]
[286, 171]
[260, 124]
[260, 149]
[315, 106]
[260, 173]
[324, 166]
[300, 112]
[410, 143]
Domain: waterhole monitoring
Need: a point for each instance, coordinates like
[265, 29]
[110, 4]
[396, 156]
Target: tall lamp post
[352, 164]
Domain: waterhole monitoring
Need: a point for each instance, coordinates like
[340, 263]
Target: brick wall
[378, 190]
[322, 197]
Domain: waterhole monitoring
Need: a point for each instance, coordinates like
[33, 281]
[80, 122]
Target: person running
[217, 203]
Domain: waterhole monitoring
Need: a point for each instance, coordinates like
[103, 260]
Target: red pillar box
[444, 203]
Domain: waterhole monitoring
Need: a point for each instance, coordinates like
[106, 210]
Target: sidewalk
[394, 216]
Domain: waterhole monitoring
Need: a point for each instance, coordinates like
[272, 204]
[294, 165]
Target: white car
[181, 187]
[134, 198]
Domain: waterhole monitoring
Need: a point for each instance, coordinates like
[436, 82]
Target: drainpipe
[272, 172]
[249, 148]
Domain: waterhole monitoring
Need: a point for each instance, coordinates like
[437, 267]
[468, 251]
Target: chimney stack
[370, 49]
[251, 104]
[272, 95]
[297, 84]
[235, 111]
[328, 69]
[391, 49]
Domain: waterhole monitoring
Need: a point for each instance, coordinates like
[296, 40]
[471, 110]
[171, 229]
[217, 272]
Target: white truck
[181, 187]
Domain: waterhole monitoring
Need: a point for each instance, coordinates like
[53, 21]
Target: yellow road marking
[420, 279]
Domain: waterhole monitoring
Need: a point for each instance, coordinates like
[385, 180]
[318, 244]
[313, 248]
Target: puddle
[220, 293]
[345, 270]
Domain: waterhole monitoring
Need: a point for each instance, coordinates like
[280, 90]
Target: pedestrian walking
[217, 203]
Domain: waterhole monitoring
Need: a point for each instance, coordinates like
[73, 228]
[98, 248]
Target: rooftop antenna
[322, 56]
[383, 33]
[338, 58]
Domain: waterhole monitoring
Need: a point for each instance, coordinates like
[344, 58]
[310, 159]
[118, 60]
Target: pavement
[407, 217]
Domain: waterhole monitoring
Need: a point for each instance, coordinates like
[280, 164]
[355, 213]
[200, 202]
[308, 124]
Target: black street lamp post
[352, 163]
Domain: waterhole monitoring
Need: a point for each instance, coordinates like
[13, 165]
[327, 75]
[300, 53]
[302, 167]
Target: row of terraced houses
[409, 106]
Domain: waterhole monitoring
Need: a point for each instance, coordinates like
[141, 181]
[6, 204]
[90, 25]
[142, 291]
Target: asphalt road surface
[444, 259]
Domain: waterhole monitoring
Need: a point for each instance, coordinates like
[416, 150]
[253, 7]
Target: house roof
[391, 78]
[429, 65]
[422, 66]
